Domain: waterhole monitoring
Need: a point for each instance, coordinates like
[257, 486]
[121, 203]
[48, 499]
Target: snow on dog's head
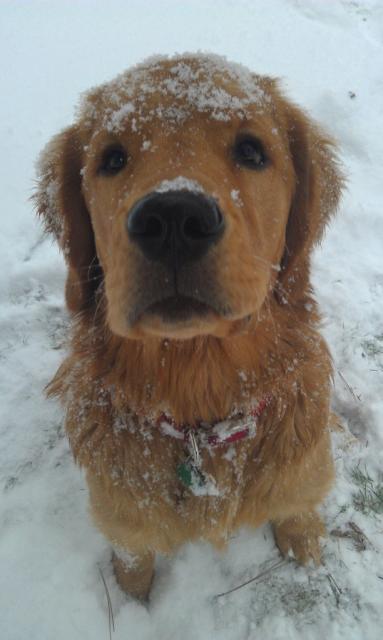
[182, 86]
[193, 191]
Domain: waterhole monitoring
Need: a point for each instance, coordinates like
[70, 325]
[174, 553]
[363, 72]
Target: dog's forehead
[171, 91]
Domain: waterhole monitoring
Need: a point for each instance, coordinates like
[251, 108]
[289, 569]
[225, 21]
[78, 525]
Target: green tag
[196, 480]
[190, 475]
[185, 473]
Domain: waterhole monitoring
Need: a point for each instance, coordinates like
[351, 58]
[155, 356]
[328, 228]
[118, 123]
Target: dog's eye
[249, 152]
[113, 160]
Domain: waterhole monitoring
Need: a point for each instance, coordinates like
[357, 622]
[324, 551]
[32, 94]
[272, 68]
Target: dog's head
[189, 189]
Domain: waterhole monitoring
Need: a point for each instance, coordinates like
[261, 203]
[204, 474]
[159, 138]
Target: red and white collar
[224, 432]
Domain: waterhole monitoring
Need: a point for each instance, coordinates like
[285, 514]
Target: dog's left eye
[113, 160]
[249, 152]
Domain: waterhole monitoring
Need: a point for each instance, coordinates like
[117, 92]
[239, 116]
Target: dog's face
[189, 172]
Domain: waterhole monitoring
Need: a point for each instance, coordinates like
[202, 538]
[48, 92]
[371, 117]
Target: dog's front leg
[134, 573]
[133, 559]
[301, 535]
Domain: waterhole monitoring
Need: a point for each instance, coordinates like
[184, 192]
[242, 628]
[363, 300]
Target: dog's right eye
[113, 160]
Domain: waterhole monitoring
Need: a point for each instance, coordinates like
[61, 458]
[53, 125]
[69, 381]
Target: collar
[224, 432]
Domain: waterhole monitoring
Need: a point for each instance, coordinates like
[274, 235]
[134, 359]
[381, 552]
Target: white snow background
[329, 54]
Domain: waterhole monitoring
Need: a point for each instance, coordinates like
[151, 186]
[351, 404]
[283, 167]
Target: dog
[187, 198]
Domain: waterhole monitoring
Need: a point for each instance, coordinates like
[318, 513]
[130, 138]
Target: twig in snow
[35, 246]
[110, 608]
[354, 533]
[350, 389]
[362, 536]
[264, 573]
[335, 588]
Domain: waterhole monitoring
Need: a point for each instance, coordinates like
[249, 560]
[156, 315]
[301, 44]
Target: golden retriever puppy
[187, 198]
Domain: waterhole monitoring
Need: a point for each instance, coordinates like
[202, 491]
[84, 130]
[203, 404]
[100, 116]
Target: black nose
[175, 227]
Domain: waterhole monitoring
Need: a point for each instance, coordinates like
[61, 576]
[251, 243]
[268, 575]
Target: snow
[180, 182]
[190, 87]
[236, 198]
[329, 55]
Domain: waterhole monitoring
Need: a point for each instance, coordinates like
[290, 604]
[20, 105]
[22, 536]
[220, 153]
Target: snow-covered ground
[329, 54]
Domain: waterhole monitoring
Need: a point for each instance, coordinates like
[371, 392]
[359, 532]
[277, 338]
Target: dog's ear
[59, 201]
[318, 186]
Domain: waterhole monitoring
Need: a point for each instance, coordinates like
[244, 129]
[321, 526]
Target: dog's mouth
[190, 304]
[178, 308]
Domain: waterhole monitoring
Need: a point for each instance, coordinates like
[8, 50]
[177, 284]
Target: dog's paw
[300, 536]
[134, 579]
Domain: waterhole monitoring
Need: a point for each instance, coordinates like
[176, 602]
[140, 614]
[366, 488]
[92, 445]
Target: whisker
[267, 263]
[80, 282]
[101, 300]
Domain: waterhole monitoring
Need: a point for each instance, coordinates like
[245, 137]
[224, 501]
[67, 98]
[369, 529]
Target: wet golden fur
[119, 377]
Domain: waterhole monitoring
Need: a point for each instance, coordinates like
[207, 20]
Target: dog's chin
[175, 317]
[179, 317]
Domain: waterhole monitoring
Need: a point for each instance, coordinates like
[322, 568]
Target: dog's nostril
[146, 226]
[201, 226]
[154, 228]
[192, 228]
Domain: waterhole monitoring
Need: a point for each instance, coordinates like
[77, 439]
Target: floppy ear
[318, 188]
[59, 201]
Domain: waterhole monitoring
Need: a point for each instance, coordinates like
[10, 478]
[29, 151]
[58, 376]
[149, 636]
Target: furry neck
[204, 378]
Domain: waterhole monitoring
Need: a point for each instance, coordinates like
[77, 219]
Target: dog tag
[199, 483]
[189, 474]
